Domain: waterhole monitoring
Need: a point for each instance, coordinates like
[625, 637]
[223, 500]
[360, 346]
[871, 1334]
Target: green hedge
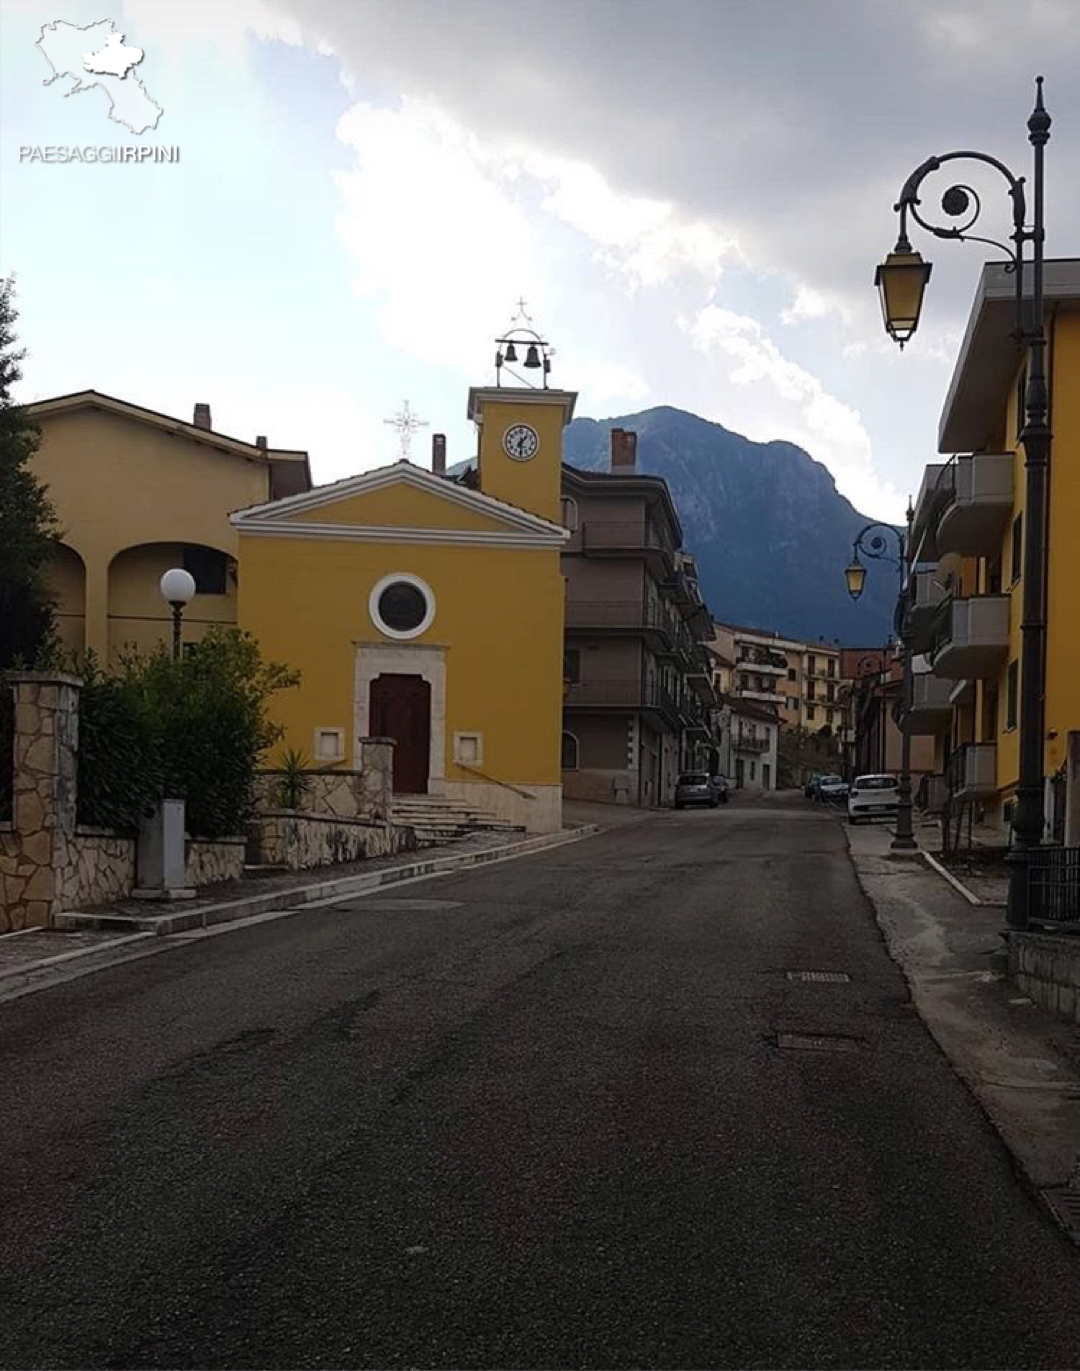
[193, 730]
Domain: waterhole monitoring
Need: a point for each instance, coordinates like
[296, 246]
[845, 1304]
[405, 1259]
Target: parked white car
[872, 797]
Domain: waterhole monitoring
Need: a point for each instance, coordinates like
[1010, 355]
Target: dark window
[830, 691]
[832, 666]
[569, 752]
[571, 665]
[811, 663]
[402, 607]
[993, 577]
[791, 673]
[1017, 548]
[810, 712]
[1012, 691]
[209, 567]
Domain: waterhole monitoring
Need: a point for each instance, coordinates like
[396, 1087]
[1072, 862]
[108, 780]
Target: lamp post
[177, 590]
[855, 575]
[901, 280]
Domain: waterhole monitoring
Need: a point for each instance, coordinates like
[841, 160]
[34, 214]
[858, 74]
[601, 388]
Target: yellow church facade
[427, 609]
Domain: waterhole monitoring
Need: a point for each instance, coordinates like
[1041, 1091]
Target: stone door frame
[406, 659]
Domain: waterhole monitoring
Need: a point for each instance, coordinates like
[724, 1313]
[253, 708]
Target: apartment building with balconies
[639, 700]
[821, 682]
[968, 539]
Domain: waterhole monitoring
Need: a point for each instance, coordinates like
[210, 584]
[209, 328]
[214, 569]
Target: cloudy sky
[690, 194]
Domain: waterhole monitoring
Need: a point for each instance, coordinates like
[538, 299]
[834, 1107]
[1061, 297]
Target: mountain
[769, 530]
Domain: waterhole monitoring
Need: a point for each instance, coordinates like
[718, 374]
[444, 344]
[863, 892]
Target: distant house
[748, 743]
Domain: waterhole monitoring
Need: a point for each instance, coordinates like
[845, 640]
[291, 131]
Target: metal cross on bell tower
[407, 423]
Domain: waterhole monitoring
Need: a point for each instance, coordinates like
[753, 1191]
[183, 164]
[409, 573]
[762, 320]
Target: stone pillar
[376, 756]
[46, 746]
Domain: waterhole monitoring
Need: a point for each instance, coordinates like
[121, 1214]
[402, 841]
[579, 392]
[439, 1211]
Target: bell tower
[520, 426]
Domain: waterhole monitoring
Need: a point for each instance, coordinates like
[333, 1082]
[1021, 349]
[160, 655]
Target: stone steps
[437, 820]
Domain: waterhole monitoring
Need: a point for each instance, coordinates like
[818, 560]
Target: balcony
[934, 494]
[746, 743]
[972, 772]
[628, 538]
[971, 637]
[625, 616]
[928, 593]
[973, 522]
[621, 695]
[771, 664]
[770, 697]
[931, 709]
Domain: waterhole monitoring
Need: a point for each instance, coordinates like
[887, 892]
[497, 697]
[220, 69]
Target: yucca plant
[295, 781]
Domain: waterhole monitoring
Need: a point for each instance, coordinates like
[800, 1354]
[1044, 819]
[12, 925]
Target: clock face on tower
[521, 441]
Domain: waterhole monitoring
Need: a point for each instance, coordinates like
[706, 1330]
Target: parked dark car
[832, 789]
[695, 788]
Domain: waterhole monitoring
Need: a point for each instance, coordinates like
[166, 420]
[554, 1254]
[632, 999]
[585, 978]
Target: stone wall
[209, 862]
[103, 868]
[301, 841]
[1047, 968]
[365, 793]
[38, 860]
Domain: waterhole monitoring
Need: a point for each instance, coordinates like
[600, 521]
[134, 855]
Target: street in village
[576, 1109]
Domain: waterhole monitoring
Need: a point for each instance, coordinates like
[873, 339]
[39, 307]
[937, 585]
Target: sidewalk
[88, 940]
[1022, 1064]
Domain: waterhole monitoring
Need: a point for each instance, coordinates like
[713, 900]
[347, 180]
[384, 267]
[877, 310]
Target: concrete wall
[303, 841]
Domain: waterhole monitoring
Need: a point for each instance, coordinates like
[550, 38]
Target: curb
[321, 892]
[959, 886]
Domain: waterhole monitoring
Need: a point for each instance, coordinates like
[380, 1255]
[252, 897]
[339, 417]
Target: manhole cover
[823, 977]
[1066, 1208]
[817, 1042]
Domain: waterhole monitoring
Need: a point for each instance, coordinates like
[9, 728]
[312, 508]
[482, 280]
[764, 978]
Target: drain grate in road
[817, 1042]
[1065, 1205]
[822, 977]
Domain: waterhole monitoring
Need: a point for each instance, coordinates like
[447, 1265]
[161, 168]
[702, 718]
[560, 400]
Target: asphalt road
[535, 1115]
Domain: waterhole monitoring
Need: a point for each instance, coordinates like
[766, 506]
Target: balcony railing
[622, 694]
[625, 615]
[928, 592]
[982, 500]
[931, 708]
[972, 771]
[1053, 876]
[772, 697]
[971, 637]
[934, 494]
[745, 743]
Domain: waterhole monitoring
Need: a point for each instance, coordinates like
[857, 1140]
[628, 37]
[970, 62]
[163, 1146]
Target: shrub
[295, 781]
[192, 729]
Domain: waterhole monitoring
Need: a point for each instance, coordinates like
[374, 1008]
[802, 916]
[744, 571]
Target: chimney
[623, 451]
[438, 453]
[260, 441]
[202, 417]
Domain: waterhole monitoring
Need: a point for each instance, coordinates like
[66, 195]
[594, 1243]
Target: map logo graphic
[96, 55]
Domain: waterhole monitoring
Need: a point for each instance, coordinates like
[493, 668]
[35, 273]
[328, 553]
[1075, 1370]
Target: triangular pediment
[401, 502]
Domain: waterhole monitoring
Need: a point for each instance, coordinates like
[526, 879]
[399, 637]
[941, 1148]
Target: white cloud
[829, 429]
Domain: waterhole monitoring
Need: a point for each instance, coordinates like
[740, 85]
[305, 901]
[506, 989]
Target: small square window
[469, 749]
[329, 744]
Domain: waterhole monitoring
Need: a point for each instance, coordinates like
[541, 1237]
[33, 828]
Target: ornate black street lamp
[901, 297]
[875, 548]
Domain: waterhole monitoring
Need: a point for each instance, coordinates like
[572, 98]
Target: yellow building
[421, 609]
[137, 492]
[969, 539]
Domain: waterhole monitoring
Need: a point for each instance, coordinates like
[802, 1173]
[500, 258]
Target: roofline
[988, 358]
[99, 400]
[633, 483]
[526, 395]
[318, 497]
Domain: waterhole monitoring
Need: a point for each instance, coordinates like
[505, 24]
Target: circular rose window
[401, 606]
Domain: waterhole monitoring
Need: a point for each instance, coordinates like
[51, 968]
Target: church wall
[499, 617]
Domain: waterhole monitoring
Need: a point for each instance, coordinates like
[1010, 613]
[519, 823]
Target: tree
[28, 527]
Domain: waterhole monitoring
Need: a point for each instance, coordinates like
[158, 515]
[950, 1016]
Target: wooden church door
[400, 708]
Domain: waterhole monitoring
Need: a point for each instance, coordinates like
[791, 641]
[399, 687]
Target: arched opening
[571, 752]
[67, 581]
[569, 513]
[139, 617]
